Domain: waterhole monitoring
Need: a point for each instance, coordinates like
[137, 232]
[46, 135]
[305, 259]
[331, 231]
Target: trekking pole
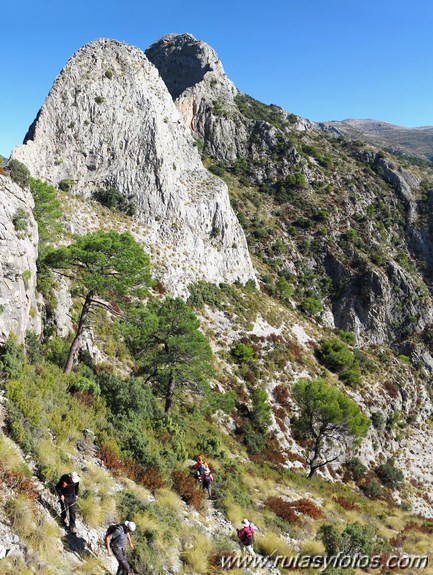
[64, 511]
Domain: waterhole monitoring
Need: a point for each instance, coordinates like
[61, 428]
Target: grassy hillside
[319, 213]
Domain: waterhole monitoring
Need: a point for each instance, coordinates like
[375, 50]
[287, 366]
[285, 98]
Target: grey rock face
[18, 255]
[206, 99]
[376, 304]
[202, 93]
[109, 122]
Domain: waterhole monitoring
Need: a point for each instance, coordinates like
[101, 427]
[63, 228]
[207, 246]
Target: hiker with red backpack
[204, 474]
[205, 477]
[246, 537]
[116, 538]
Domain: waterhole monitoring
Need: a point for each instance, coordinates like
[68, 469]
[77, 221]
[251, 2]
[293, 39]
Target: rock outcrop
[207, 99]
[109, 123]
[18, 255]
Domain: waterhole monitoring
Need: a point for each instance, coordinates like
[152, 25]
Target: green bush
[337, 357]
[389, 475]
[311, 306]
[11, 357]
[377, 419]
[114, 200]
[20, 220]
[261, 415]
[356, 468]
[243, 352]
[65, 185]
[372, 489]
[217, 169]
[19, 173]
[354, 539]
[39, 401]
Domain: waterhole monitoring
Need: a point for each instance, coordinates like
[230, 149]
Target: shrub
[217, 169]
[19, 173]
[261, 415]
[311, 306]
[65, 185]
[187, 488]
[377, 419]
[356, 468]
[11, 357]
[372, 489]
[337, 357]
[307, 507]
[389, 475]
[354, 539]
[243, 352]
[20, 220]
[114, 200]
[283, 509]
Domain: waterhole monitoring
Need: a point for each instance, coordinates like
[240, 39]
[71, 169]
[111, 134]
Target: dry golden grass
[9, 456]
[45, 539]
[272, 544]
[234, 512]
[91, 566]
[262, 488]
[148, 524]
[21, 513]
[167, 499]
[38, 532]
[196, 553]
[313, 547]
[91, 510]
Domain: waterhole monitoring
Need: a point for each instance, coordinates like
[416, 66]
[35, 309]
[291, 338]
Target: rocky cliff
[18, 254]
[209, 102]
[109, 123]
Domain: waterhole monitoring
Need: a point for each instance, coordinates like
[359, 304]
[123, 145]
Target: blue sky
[320, 59]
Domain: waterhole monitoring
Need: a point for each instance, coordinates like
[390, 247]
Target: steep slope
[396, 139]
[109, 124]
[316, 189]
[18, 255]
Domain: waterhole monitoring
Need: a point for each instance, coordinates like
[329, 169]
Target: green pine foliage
[18, 172]
[104, 265]
[326, 416]
[171, 351]
[337, 357]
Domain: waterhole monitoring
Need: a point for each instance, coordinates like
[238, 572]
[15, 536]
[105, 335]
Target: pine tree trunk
[76, 342]
[169, 394]
[316, 453]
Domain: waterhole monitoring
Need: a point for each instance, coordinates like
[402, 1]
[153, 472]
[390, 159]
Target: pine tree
[105, 265]
[172, 352]
[327, 416]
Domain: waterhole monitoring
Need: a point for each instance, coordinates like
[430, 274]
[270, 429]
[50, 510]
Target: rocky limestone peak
[183, 61]
[208, 100]
[110, 122]
[203, 94]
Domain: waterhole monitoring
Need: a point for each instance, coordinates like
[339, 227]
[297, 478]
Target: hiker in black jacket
[67, 490]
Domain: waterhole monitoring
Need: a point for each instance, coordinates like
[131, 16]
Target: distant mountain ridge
[395, 139]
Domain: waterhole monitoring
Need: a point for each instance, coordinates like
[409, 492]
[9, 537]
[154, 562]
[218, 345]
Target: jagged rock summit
[202, 92]
[110, 122]
[209, 102]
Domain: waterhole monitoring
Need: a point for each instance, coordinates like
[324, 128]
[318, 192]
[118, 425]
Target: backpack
[246, 536]
[111, 529]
